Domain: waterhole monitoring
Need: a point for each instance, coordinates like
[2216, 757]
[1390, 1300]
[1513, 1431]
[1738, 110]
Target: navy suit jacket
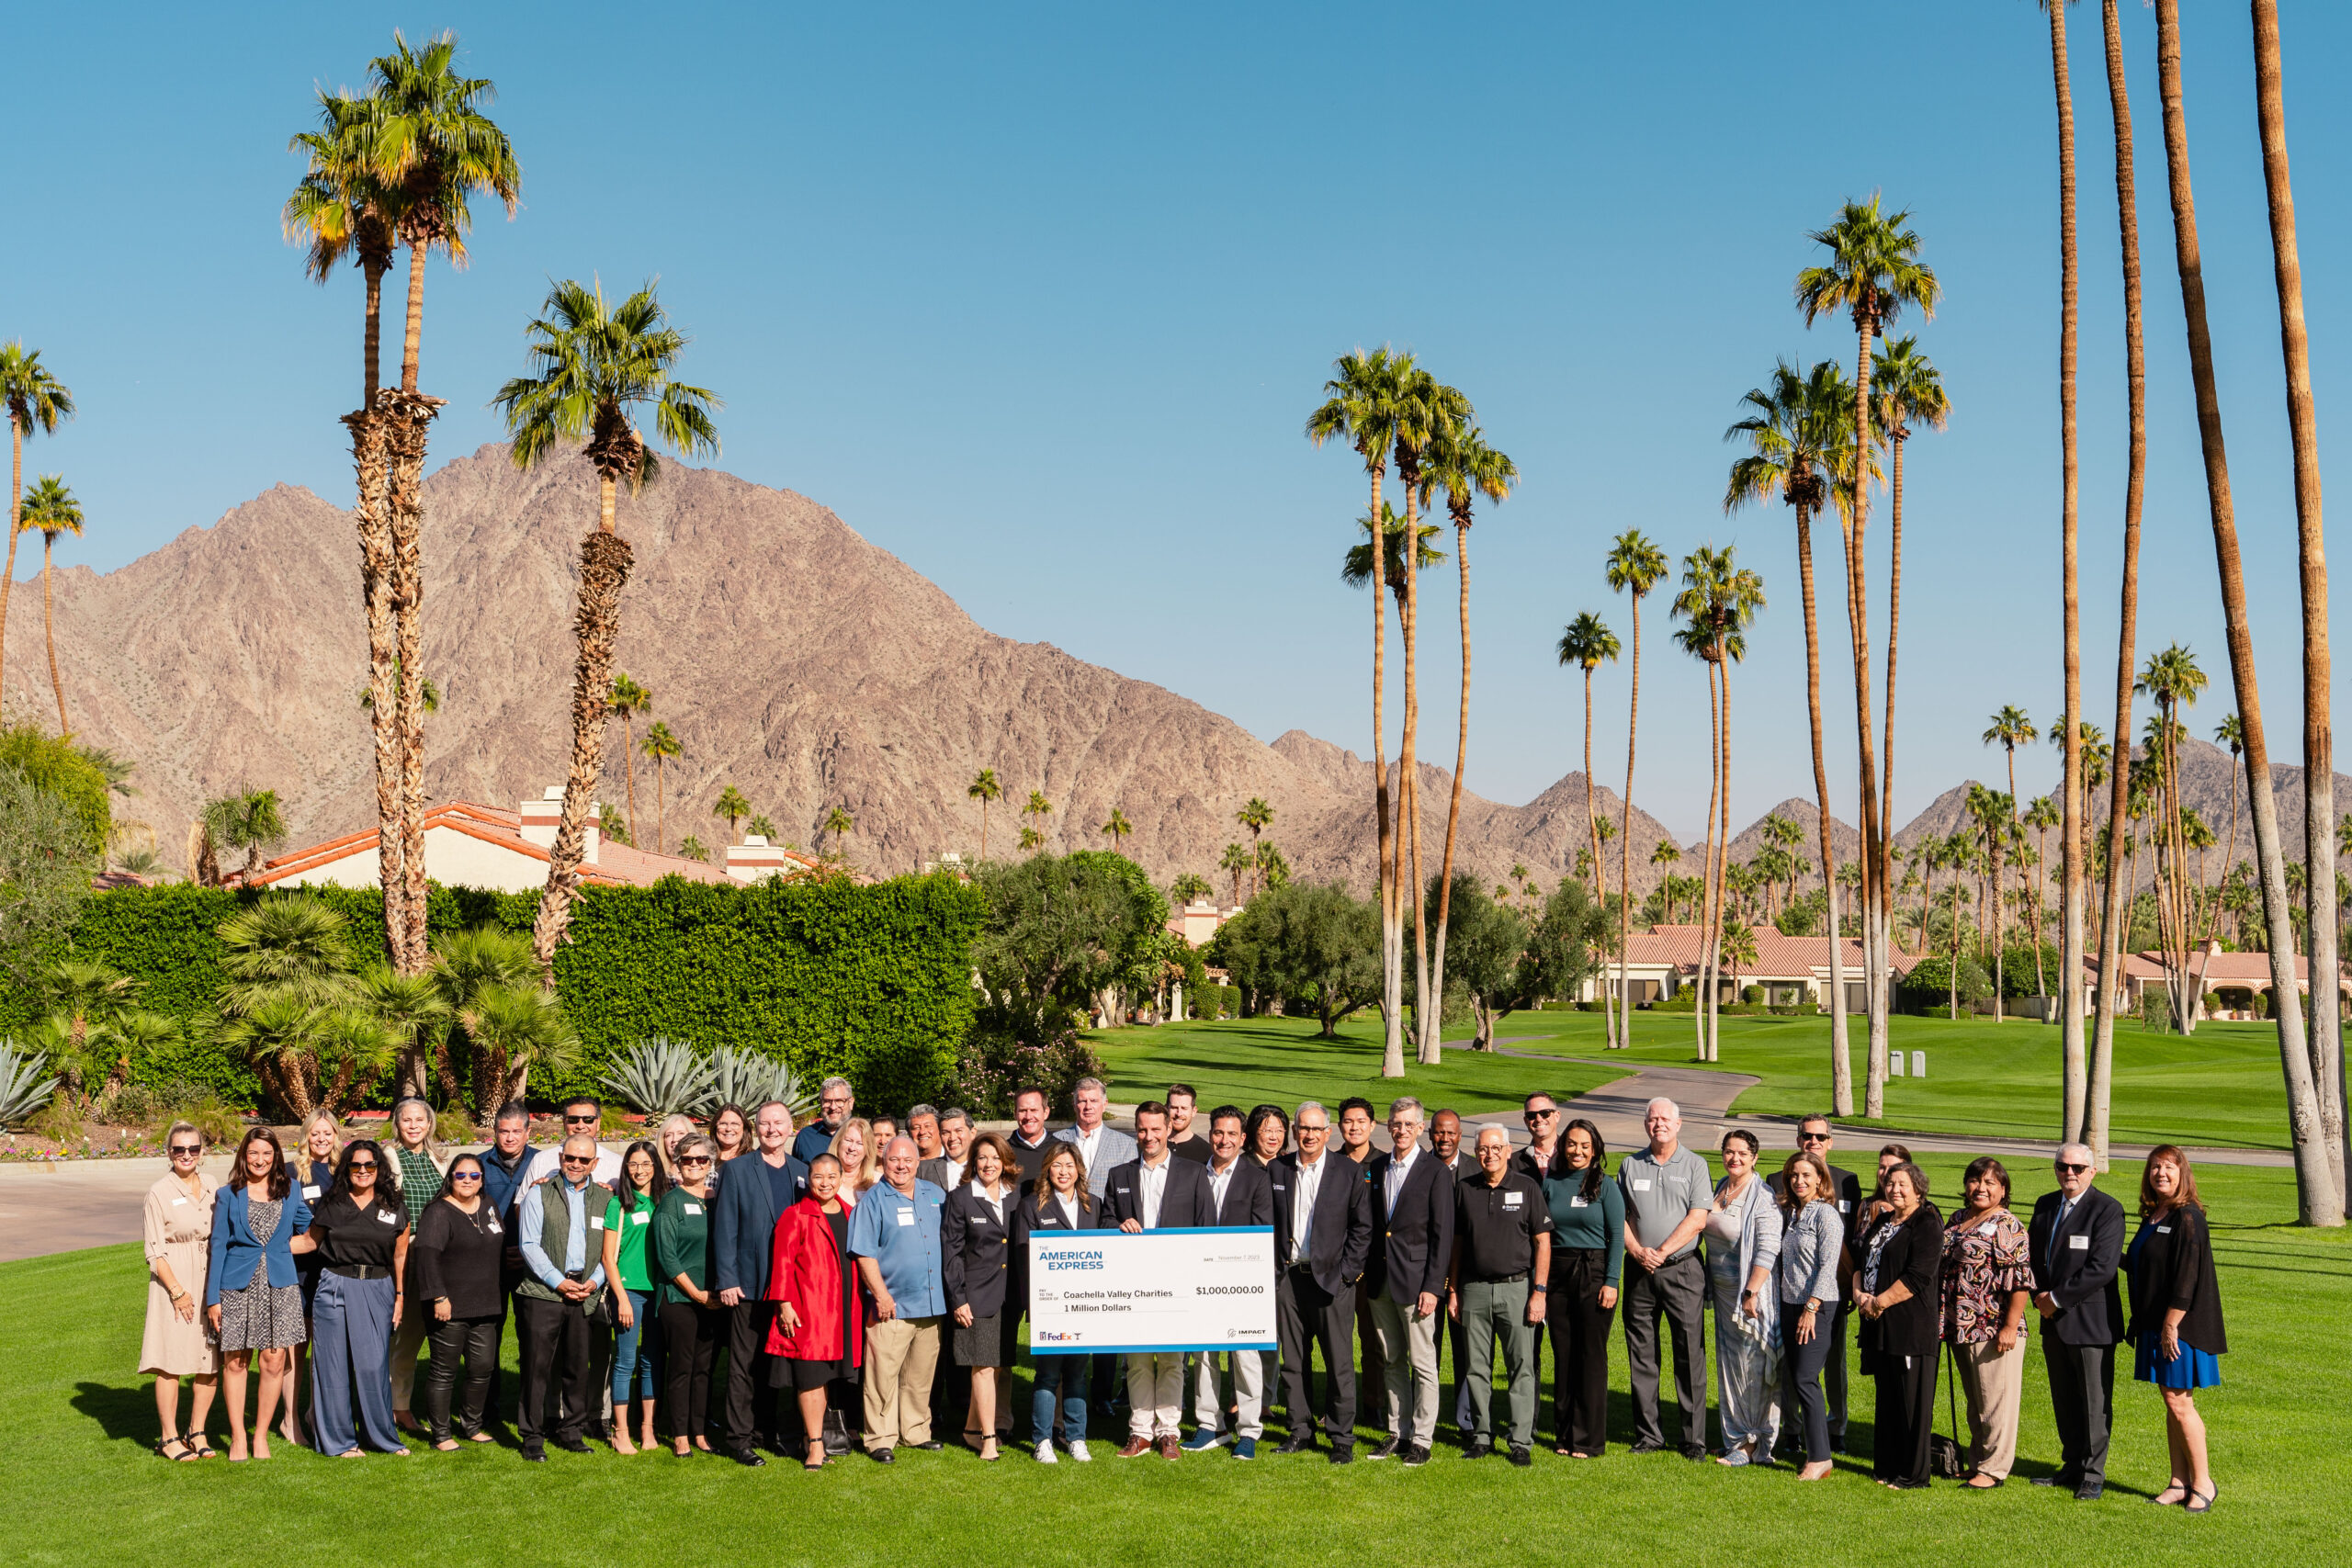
[742, 1225]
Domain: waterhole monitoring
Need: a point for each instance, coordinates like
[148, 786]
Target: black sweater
[457, 1254]
[2172, 1266]
[1913, 1255]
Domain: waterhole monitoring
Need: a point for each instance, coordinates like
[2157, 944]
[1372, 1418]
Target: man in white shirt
[1412, 1245]
[1239, 1194]
[1156, 1192]
[583, 1115]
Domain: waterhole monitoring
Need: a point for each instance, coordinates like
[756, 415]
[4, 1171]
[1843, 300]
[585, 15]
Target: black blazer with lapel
[1341, 1238]
[1248, 1195]
[976, 1251]
[1413, 1242]
[2173, 1268]
[2082, 1279]
[1183, 1203]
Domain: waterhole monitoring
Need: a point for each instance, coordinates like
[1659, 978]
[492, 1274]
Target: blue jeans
[1063, 1377]
[633, 1351]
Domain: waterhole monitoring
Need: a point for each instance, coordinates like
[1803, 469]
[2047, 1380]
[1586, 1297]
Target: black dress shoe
[572, 1445]
[746, 1457]
[883, 1455]
[536, 1456]
[1415, 1456]
[2089, 1491]
[931, 1447]
[1520, 1457]
[1343, 1456]
[1478, 1448]
[1694, 1452]
[1388, 1449]
[1298, 1443]
[2058, 1478]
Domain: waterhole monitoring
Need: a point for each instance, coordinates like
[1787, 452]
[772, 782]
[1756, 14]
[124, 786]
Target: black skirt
[988, 1343]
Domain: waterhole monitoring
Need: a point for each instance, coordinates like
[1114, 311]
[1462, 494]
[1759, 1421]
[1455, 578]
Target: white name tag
[1580, 1201]
[2078, 1244]
[1510, 1199]
[493, 1228]
[596, 1221]
[178, 1201]
[906, 1219]
[1989, 1227]
[386, 1217]
[1844, 1206]
[310, 1191]
[638, 1218]
[2164, 1230]
[692, 1208]
[1641, 1184]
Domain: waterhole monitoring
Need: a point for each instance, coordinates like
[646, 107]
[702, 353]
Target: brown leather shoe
[1136, 1448]
[1168, 1446]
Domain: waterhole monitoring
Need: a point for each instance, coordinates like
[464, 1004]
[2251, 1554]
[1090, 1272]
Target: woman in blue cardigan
[253, 1297]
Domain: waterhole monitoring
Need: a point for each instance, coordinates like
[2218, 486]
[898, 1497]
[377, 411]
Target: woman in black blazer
[2175, 1329]
[1894, 1289]
[1060, 1203]
[976, 1266]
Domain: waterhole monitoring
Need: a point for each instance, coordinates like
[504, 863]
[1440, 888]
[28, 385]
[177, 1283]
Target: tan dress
[179, 1232]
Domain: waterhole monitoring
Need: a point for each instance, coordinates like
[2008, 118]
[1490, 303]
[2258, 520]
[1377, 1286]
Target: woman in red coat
[818, 1335]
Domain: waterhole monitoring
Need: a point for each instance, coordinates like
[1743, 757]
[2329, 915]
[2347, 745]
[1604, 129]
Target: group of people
[865, 1278]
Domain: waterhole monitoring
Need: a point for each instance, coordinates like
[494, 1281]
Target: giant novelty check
[1211, 1289]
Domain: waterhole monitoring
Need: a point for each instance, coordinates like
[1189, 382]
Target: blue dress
[2191, 1368]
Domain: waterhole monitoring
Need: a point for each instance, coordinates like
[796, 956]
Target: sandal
[816, 1456]
[186, 1456]
[200, 1448]
[2200, 1502]
[2173, 1494]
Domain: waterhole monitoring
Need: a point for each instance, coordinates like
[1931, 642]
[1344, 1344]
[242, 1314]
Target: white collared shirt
[1400, 1167]
[1221, 1179]
[1088, 1143]
[1302, 1208]
[1154, 1188]
[1069, 1209]
[996, 1204]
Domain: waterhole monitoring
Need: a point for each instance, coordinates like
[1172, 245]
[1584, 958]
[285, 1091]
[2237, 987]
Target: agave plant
[749, 1078]
[23, 1089]
[662, 1077]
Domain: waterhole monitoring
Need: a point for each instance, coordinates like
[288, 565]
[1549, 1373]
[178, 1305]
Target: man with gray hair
[1412, 1245]
[1102, 1146]
[835, 1100]
[1322, 1236]
[1668, 1194]
[2076, 1246]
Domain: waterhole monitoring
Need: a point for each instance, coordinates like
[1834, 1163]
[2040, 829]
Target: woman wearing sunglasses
[690, 1319]
[458, 1256]
[361, 1233]
[176, 1345]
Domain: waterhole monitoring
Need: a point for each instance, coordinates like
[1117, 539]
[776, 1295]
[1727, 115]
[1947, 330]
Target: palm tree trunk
[1707, 861]
[416, 330]
[1842, 1068]
[1391, 947]
[2318, 1201]
[16, 516]
[2319, 737]
[1895, 439]
[1625, 842]
[629, 768]
[1599, 876]
[1722, 870]
[372, 332]
[406, 415]
[1430, 1036]
[661, 808]
[1427, 1009]
[2074, 1063]
[49, 626]
[604, 559]
[1858, 625]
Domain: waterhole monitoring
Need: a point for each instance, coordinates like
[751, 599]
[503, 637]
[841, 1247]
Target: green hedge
[873, 983]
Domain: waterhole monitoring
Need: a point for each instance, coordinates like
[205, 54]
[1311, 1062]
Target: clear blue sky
[1038, 298]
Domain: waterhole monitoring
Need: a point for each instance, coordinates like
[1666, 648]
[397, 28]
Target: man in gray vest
[561, 1224]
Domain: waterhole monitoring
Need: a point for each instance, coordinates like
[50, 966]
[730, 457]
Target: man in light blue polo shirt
[894, 1236]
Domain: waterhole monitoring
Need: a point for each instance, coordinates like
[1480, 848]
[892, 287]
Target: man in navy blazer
[1412, 1243]
[2075, 1242]
[756, 1190]
[1322, 1236]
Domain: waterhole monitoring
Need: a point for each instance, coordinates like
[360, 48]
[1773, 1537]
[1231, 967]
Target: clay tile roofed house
[471, 845]
[1664, 960]
[2236, 978]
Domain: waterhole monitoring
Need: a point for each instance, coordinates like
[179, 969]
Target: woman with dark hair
[627, 1221]
[1062, 1203]
[731, 1139]
[1889, 1156]
[253, 1297]
[817, 1338]
[361, 1235]
[455, 1259]
[1588, 1257]
[1988, 1279]
[1743, 1244]
[1813, 1251]
[2176, 1330]
[976, 1257]
[1894, 1291]
[690, 1317]
[1267, 1134]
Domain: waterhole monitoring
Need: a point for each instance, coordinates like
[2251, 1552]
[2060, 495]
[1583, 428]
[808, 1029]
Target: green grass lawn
[83, 1486]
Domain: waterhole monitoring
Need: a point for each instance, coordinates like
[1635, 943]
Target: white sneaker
[1078, 1452]
[1046, 1454]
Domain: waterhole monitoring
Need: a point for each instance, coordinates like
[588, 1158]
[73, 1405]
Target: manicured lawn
[83, 1484]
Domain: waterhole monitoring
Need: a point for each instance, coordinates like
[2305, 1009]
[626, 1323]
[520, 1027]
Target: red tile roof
[1777, 956]
[617, 864]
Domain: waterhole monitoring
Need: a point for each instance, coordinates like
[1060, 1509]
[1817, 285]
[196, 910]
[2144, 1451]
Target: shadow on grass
[125, 1414]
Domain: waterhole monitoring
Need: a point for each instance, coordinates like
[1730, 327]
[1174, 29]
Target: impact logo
[1064, 1262]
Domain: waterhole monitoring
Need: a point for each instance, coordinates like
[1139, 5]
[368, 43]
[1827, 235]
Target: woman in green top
[689, 1316]
[1587, 1254]
[628, 1220]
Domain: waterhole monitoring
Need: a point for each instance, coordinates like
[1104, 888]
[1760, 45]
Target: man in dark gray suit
[2076, 1243]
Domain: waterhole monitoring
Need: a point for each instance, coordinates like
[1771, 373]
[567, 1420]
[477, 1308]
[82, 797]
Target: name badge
[1280, 1188]
[1580, 1201]
[1989, 1227]
[1641, 1184]
[640, 1217]
[177, 1201]
[2078, 1244]
[493, 1228]
[596, 1221]
[1510, 1199]
[692, 1208]
[386, 1217]
[906, 1219]
[1844, 1205]
[2164, 1230]
[311, 1191]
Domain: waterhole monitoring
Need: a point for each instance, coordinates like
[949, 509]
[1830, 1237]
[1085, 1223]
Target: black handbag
[1944, 1455]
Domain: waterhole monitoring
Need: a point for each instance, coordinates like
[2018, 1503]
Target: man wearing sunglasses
[583, 1116]
[1542, 1118]
[1816, 1136]
[2076, 1245]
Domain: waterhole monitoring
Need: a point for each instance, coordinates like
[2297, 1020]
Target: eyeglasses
[2064, 1168]
[1312, 1127]
[179, 1149]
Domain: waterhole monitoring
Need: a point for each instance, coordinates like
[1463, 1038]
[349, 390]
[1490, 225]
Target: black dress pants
[1306, 1315]
[1906, 1416]
[689, 1340]
[750, 1402]
[1676, 1291]
[2082, 1396]
[1579, 1327]
[475, 1338]
[555, 1359]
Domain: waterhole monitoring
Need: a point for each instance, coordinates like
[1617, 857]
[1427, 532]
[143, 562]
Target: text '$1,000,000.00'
[1098, 1292]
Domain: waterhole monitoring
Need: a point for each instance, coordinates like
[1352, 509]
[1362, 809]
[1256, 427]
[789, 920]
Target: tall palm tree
[2010, 728]
[1634, 566]
[49, 508]
[1908, 388]
[2228, 734]
[1588, 643]
[1461, 463]
[731, 808]
[1257, 817]
[1795, 427]
[1236, 860]
[2319, 734]
[661, 745]
[2173, 679]
[1872, 273]
[837, 822]
[594, 364]
[2114, 896]
[626, 700]
[2319, 1202]
[2042, 815]
[1718, 600]
[1117, 829]
[984, 789]
[37, 401]
[1361, 406]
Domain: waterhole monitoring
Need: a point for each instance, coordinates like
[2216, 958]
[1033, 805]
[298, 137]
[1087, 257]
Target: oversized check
[1211, 1289]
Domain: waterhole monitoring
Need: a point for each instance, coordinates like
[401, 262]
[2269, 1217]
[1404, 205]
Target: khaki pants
[1408, 1358]
[1249, 1394]
[901, 1353]
[1992, 1384]
[1155, 1392]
